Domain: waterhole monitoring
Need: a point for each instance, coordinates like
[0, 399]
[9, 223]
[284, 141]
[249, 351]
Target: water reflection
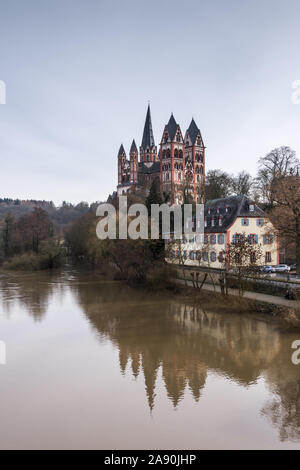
[187, 343]
[158, 335]
[31, 291]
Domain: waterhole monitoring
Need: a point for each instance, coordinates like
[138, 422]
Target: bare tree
[243, 257]
[285, 214]
[242, 183]
[279, 163]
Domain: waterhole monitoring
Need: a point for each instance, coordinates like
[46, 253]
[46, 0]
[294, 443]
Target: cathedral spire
[133, 147]
[148, 139]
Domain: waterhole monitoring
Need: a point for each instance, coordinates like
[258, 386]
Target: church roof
[154, 168]
[148, 139]
[133, 147]
[172, 127]
[193, 131]
[121, 151]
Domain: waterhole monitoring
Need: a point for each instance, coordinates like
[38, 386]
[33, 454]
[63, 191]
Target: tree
[285, 214]
[218, 184]
[154, 196]
[244, 257]
[34, 228]
[279, 163]
[242, 183]
[7, 234]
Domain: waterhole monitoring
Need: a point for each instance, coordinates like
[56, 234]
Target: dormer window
[205, 222]
[220, 221]
[226, 209]
[251, 207]
[213, 222]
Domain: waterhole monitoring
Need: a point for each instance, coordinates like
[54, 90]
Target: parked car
[282, 268]
[293, 267]
[268, 269]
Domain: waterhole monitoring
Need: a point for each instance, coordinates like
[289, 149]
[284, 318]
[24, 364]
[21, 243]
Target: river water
[92, 364]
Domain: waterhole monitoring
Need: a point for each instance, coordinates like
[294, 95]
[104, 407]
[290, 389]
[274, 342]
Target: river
[93, 364]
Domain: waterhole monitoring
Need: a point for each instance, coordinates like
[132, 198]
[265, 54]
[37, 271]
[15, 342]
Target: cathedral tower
[194, 163]
[134, 163]
[148, 150]
[172, 163]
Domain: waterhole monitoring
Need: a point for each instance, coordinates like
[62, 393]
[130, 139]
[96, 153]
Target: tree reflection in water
[157, 334]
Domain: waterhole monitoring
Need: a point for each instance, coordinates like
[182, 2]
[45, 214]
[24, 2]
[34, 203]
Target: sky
[79, 74]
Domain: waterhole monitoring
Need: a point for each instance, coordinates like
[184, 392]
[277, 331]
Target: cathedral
[179, 165]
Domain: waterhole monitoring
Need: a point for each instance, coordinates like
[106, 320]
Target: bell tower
[148, 150]
[195, 161]
[172, 163]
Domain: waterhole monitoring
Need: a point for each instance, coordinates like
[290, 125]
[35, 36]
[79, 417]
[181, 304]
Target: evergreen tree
[154, 196]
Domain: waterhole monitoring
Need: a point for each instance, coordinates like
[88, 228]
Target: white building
[225, 220]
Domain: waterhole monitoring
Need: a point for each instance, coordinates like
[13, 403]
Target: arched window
[176, 153]
[164, 154]
[168, 153]
[197, 170]
[180, 154]
[201, 170]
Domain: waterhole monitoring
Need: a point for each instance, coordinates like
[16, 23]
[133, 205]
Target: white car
[282, 268]
[268, 269]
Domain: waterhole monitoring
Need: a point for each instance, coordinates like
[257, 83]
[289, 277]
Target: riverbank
[284, 312]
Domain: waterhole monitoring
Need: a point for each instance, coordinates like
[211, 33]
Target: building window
[198, 255]
[220, 221]
[237, 237]
[213, 239]
[221, 239]
[221, 257]
[205, 256]
[268, 239]
[268, 257]
[206, 239]
[260, 222]
[192, 255]
[253, 257]
[213, 256]
[245, 222]
[253, 238]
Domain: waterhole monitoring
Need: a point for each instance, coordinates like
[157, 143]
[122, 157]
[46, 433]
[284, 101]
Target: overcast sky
[79, 74]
